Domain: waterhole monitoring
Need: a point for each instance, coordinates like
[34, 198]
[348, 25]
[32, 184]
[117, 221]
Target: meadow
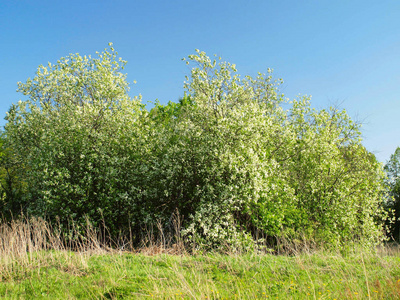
[36, 264]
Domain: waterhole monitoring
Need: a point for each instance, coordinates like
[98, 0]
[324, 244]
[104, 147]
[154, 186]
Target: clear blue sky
[342, 51]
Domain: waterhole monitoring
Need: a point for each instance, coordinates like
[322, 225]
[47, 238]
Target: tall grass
[27, 244]
[38, 261]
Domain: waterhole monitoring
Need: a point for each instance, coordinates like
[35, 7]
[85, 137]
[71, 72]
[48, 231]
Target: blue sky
[345, 52]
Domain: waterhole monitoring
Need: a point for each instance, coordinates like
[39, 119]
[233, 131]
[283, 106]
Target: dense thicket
[233, 156]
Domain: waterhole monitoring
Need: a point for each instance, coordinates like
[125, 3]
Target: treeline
[233, 157]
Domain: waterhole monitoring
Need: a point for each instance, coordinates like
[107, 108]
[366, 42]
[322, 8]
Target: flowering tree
[77, 135]
[238, 165]
[233, 156]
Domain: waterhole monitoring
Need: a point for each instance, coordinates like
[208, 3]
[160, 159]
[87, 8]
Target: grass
[35, 265]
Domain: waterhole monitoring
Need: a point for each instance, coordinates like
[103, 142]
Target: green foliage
[12, 187]
[335, 180]
[392, 169]
[237, 165]
[275, 171]
[233, 156]
[78, 135]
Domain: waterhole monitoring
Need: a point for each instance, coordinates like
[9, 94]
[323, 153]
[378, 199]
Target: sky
[342, 52]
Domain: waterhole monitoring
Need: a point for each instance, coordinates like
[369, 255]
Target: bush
[229, 157]
[80, 137]
[238, 165]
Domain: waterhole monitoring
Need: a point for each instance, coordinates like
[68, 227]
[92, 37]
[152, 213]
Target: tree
[335, 179]
[238, 165]
[392, 169]
[80, 136]
[233, 156]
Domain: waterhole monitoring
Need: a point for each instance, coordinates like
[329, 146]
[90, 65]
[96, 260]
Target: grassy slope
[66, 275]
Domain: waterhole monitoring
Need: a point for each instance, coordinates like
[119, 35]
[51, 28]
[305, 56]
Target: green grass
[67, 275]
[29, 270]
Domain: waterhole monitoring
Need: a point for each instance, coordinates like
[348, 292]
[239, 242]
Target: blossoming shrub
[237, 164]
[77, 134]
[234, 157]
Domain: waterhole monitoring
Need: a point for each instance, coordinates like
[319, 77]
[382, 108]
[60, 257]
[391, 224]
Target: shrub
[234, 157]
[80, 137]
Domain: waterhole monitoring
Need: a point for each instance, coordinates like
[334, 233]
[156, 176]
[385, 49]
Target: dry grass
[28, 244]
[38, 261]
